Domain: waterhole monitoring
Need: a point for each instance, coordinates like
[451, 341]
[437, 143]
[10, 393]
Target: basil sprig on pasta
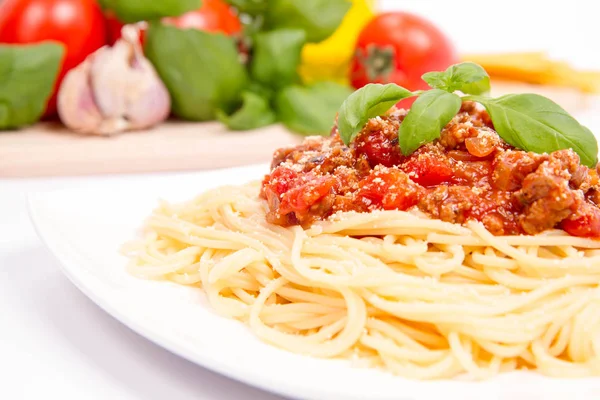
[526, 121]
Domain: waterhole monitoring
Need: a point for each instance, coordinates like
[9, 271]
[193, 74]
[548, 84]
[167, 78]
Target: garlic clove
[109, 74]
[148, 99]
[148, 102]
[123, 87]
[76, 94]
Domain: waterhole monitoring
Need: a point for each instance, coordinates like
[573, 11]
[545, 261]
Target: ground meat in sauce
[469, 173]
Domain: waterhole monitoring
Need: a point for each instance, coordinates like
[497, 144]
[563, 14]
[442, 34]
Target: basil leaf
[367, 102]
[201, 70]
[144, 10]
[254, 113]
[250, 7]
[27, 77]
[277, 56]
[260, 90]
[437, 80]
[535, 123]
[318, 18]
[104, 4]
[310, 109]
[467, 77]
[427, 117]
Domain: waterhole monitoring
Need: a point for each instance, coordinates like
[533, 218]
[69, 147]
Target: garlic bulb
[114, 90]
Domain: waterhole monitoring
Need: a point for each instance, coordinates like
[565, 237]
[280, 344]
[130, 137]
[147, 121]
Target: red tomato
[479, 147]
[113, 26]
[586, 223]
[212, 16]
[78, 24]
[399, 47]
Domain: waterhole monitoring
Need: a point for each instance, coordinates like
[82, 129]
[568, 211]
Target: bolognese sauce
[469, 173]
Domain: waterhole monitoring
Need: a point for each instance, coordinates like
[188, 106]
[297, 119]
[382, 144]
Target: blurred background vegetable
[115, 89]
[77, 24]
[210, 16]
[308, 109]
[231, 59]
[330, 59]
[240, 77]
[129, 11]
[201, 70]
[251, 63]
[398, 47]
[27, 77]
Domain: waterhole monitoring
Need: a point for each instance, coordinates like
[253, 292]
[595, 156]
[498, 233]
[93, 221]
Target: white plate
[85, 227]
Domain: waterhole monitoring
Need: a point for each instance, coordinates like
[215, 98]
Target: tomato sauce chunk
[468, 174]
[428, 168]
[388, 189]
[307, 191]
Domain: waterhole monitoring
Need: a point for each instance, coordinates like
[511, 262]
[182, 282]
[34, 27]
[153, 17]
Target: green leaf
[311, 109]
[367, 102]
[535, 123]
[427, 117]
[318, 18]
[467, 77]
[261, 90]
[201, 70]
[437, 80]
[277, 56]
[27, 76]
[254, 113]
[145, 10]
[250, 7]
[104, 4]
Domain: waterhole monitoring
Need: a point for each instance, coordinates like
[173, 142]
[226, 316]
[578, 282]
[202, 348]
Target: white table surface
[56, 343]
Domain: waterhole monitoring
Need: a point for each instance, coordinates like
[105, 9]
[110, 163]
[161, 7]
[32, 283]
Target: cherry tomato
[212, 16]
[78, 24]
[480, 147]
[398, 47]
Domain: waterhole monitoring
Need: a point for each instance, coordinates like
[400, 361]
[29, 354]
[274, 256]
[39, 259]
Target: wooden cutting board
[50, 150]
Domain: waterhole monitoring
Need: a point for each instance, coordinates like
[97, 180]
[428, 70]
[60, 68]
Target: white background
[568, 30]
[55, 343]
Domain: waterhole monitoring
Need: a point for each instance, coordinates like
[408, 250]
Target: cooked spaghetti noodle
[419, 297]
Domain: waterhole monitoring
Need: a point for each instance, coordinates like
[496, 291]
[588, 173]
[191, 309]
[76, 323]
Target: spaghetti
[419, 297]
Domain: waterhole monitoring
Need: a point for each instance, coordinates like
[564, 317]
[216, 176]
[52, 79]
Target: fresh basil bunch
[207, 79]
[207, 74]
[526, 121]
[145, 10]
[27, 75]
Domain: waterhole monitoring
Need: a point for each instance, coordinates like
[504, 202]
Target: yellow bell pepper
[329, 59]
